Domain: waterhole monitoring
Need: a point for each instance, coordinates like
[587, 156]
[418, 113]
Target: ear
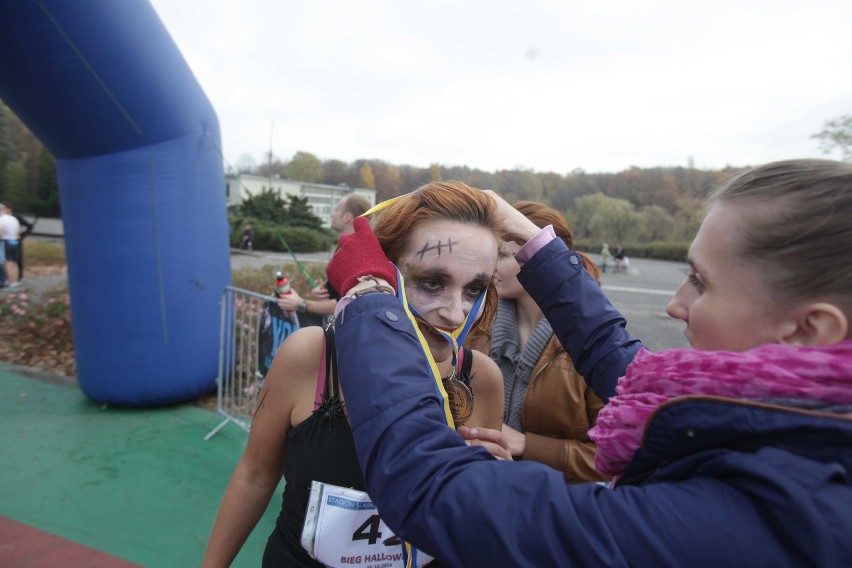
[820, 323]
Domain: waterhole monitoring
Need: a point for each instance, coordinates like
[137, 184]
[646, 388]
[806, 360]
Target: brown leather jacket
[559, 409]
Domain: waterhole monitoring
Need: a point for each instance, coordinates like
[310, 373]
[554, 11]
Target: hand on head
[359, 254]
[515, 224]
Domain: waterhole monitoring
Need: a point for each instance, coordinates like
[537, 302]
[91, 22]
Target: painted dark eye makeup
[479, 285]
[473, 292]
[429, 285]
[431, 282]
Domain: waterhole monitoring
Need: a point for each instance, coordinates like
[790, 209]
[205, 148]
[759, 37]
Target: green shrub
[300, 239]
[267, 236]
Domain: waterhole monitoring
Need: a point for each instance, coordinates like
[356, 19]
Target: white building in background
[321, 197]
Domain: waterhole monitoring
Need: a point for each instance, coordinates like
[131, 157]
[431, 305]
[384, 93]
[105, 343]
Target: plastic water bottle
[282, 285]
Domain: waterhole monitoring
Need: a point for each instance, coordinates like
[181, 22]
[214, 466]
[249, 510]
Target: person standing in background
[606, 257]
[247, 238]
[349, 208]
[548, 408]
[619, 258]
[10, 230]
[26, 229]
[2, 265]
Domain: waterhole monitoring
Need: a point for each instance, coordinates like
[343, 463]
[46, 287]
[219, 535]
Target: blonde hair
[799, 226]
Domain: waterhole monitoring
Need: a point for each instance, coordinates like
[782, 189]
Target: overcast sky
[600, 85]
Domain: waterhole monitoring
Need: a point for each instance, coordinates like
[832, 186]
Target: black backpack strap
[332, 382]
[467, 364]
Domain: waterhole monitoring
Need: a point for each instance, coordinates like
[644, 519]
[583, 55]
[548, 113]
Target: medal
[461, 399]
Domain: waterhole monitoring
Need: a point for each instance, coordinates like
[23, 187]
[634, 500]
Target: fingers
[515, 441]
[289, 302]
[517, 227]
[486, 434]
[492, 440]
[320, 292]
[495, 450]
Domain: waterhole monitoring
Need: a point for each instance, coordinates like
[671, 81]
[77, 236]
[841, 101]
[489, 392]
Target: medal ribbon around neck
[454, 338]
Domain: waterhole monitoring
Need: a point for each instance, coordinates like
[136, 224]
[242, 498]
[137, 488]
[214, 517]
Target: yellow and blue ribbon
[383, 205]
[454, 338]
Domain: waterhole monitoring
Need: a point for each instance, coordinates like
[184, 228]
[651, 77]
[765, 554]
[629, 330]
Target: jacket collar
[690, 425]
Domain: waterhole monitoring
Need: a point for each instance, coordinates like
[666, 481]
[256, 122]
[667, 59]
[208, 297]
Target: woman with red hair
[444, 239]
[548, 408]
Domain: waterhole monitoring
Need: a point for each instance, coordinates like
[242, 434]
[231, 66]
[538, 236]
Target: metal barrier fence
[247, 343]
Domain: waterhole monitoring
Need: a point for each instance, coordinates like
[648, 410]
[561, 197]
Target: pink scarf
[769, 372]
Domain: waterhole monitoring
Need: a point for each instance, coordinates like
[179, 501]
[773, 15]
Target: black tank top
[320, 448]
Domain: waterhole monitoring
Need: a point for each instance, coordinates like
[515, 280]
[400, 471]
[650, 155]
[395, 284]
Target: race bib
[343, 529]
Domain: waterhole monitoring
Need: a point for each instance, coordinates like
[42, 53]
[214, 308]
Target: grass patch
[262, 280]
[43, 253]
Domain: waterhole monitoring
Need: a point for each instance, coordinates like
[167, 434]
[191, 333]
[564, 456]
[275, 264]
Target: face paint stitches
[426, 248]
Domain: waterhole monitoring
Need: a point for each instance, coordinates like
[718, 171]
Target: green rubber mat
[139, 484]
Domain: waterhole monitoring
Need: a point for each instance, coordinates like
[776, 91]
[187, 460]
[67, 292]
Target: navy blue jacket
[717, 482]
[590, 329]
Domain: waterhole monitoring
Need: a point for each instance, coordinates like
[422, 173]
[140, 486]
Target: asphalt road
[642, 294]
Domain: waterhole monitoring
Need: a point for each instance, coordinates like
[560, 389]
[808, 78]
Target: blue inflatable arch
[138, 159]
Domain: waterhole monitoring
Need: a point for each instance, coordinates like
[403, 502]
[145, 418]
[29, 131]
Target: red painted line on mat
[23, 546]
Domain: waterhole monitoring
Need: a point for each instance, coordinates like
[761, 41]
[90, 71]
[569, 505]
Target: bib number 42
[370, 531]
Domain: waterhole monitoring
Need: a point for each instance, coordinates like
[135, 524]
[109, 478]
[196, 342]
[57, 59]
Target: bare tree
[837, 134]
